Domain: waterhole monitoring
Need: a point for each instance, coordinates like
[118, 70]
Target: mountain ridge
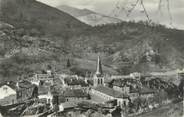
[36, 15]
[74, 11]
[87, 16]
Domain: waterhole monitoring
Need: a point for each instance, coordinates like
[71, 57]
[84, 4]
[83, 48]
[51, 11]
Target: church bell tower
[98, 78]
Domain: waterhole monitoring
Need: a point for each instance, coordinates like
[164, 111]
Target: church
[107, 93]
[98, 78]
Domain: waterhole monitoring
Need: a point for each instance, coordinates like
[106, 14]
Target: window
[98, 81]
[19, 94]
[48, 101]
[124, 102]
[5, 89]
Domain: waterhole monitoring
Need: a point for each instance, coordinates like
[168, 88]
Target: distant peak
[76, 12]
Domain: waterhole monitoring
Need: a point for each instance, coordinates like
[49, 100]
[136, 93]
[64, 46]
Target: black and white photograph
[91, 58]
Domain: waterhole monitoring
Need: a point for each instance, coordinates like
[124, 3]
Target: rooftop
[42, 90]
[67, 105]
[75, 93]
[11, 84]
[110, 92]
[146, 90]
[74, 81]
[123, 82]
[129, 83]
[25, 84]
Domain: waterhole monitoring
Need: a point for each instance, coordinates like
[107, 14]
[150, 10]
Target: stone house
[8, 94]
[26, 90]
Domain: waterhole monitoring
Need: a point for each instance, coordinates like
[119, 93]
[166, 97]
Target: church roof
[110, 92]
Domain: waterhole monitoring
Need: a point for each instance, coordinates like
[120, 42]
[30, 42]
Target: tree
[49, 67]
[161, 96]
[181, 87]
[140, 103]
[119, 8]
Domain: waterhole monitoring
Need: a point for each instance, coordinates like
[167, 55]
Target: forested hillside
[34, 16]
[130, 46]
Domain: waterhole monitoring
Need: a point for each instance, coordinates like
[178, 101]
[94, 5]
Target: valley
[72, 62]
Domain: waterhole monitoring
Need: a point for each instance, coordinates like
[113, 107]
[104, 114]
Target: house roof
[146, 90]
[11, 84]
[67, 105]
[123, 82]
[75, 93]
[140, 90]
[108, 81]
[110, 92]
[90, 81]
[117, 83]
[74, 81]
[25, 84]
[42, 90]
[134, 90]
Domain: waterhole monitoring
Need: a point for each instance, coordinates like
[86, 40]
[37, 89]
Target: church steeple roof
[99, 67]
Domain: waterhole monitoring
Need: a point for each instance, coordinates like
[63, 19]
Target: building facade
[26, 90]
[8, 95]
[73, 95]
[110, 94]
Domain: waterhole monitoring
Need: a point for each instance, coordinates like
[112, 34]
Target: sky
[119, 9]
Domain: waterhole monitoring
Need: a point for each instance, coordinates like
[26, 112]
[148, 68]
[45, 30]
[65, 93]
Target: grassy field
[83, 64]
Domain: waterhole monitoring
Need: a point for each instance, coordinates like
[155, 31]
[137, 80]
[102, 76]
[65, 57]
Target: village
[51, 94]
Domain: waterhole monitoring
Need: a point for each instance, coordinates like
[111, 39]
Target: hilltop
[87, 16]
[34, 16]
